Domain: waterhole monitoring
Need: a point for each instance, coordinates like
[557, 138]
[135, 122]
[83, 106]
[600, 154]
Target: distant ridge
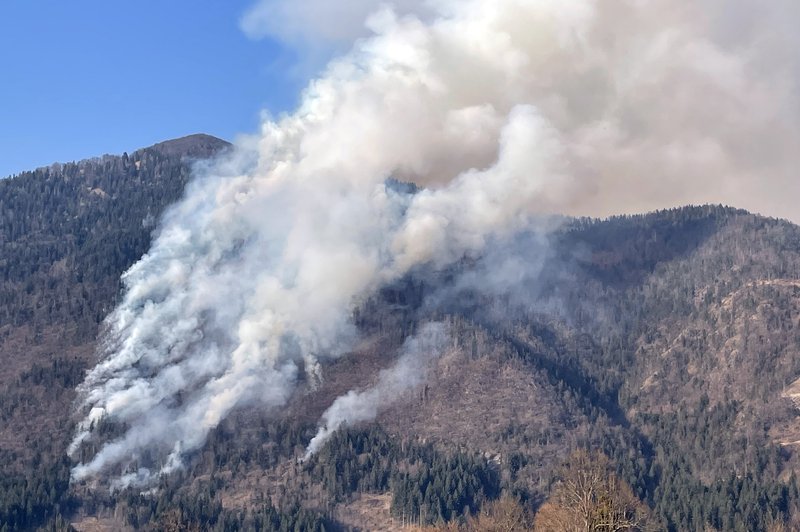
[195, 146]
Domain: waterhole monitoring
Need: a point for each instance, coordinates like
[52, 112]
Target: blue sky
[88, 77]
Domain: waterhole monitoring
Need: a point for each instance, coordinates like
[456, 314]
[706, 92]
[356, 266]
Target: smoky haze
[502, 111]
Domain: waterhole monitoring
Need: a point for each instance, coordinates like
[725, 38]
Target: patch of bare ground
[95, 524]
[368, 512]
[250, 487]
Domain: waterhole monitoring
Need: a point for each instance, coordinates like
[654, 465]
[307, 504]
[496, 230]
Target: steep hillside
[629, 341]
[669, 341]
[67, 232]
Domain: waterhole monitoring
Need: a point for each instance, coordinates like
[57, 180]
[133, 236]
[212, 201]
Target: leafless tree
[591, 498]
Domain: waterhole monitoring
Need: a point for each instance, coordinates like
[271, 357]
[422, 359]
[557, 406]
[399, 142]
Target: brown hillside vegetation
[668, 342]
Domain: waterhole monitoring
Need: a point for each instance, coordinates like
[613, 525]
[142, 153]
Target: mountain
[668, 342]
[197, 146]
[67, 232]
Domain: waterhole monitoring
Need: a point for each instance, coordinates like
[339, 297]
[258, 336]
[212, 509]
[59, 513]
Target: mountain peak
[198, 145]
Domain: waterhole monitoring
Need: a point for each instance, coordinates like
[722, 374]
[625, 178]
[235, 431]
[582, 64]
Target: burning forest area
[501, 265]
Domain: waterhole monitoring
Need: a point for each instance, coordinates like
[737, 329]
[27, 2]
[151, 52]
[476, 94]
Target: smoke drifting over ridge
[504, 111]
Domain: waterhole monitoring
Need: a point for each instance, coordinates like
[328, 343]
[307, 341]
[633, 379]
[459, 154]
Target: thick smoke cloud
[503, 110]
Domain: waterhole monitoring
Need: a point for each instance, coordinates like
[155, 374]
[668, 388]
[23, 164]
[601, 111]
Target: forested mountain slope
[669, 341]
[67, 232]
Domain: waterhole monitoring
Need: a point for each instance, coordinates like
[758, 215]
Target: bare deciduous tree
[591, 498]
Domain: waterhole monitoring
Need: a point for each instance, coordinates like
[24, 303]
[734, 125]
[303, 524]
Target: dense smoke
[503, 111]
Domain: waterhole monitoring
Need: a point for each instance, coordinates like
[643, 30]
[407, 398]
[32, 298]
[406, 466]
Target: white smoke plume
[503, 110]
[409, 371]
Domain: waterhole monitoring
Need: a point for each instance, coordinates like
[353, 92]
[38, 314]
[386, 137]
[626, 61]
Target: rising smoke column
[502, 110]
[408, 371]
